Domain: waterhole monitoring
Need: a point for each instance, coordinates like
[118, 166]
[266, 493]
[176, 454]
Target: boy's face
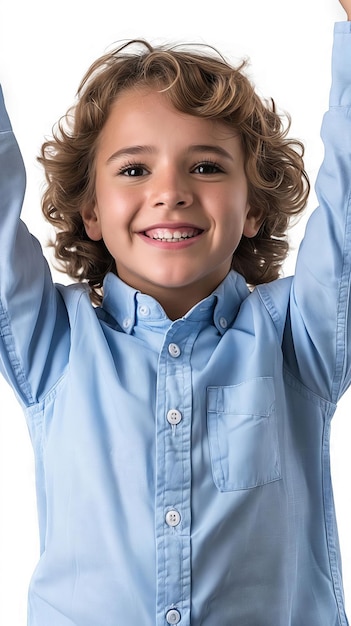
[171, 199]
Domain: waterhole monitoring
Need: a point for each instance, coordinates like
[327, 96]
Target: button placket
[173, 504]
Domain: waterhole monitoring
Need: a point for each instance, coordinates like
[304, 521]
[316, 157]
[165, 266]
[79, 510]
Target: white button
[174, 417]
[223, 322]
[172, 518]
[174, 350]
[144, 310]
[173, 616]
[126, 322]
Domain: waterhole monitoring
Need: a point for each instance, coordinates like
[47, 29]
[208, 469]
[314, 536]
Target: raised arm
[32, 315]
[318, 328]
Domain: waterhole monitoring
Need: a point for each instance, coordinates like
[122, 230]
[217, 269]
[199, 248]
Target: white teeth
[177, 235]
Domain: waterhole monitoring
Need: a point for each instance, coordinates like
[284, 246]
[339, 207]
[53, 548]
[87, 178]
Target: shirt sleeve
[33, 320]
[318, 329]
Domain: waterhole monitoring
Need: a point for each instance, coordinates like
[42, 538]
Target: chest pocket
[243, 437]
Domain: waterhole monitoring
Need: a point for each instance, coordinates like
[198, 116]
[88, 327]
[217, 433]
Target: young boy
[181, 426]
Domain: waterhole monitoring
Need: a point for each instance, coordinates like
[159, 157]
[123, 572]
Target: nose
[171, 189]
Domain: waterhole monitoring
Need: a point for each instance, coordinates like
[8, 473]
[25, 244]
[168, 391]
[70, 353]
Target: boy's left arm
[320, 324]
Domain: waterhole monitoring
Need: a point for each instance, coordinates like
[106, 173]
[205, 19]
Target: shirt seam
[342, 310]
[52, 391]
[17, 367]
[295, 383]
[15, 362]
[329, 520]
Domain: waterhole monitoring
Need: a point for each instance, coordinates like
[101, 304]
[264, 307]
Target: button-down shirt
[182, 466]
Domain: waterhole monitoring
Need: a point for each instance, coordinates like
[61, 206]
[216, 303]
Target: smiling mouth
[172, 236]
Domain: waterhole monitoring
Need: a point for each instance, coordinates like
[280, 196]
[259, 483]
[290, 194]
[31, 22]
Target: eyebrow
[130, 151]
[135, 150]
[210, 148]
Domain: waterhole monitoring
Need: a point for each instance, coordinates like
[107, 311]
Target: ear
[253, 223]
[90, 217]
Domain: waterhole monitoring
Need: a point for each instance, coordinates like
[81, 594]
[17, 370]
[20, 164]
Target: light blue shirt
[183, 467]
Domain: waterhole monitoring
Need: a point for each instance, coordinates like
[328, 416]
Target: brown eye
[133, 170]
[207, 167]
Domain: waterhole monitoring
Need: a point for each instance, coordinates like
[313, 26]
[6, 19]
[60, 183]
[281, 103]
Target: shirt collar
[129, 307]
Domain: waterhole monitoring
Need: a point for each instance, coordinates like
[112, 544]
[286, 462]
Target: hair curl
[197, 83]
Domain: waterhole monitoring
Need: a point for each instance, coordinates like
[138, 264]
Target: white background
[45, 47]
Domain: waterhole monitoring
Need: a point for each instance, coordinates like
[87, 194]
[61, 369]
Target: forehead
[146, 113]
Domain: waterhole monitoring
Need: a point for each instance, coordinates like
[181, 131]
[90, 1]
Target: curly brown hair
[203, 84]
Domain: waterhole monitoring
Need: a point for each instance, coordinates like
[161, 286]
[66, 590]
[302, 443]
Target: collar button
[223, 322]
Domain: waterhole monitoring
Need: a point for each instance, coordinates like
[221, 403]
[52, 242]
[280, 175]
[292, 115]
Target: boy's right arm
[33, 319]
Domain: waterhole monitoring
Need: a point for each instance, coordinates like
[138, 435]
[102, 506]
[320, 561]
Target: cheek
[105, 194]
[232, 214]
[230, 224]
[113, 206]
[233, 197]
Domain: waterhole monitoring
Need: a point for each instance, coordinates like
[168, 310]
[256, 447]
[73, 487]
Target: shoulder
[275, 297]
